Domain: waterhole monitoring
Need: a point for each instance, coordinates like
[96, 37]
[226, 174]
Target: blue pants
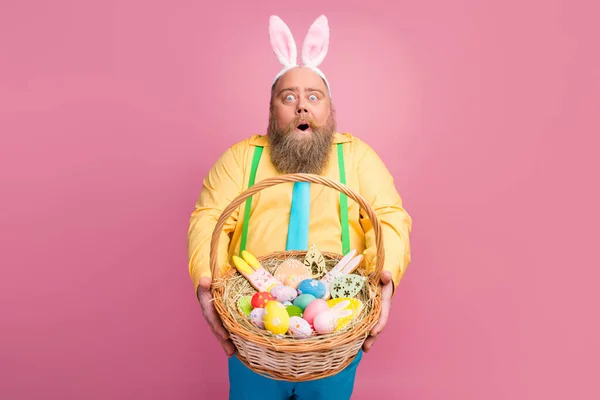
[244, 384]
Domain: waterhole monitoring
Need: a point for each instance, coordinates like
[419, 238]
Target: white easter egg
[284, 293]
[299, 328]
[256, 317]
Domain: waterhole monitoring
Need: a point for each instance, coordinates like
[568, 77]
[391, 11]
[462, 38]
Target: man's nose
[302, 110]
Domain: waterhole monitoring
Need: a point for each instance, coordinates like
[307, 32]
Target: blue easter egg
[313, 287]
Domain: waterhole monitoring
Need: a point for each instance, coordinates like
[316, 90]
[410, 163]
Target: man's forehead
[302, 79]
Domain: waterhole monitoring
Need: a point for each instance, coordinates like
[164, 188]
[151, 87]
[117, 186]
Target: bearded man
[301, 138]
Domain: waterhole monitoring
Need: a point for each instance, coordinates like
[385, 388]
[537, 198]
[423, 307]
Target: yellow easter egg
[276, 319]
[355, 305]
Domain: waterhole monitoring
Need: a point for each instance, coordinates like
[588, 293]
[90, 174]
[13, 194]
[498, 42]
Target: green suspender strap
[343, 199]
[257, 153]
[343, 203]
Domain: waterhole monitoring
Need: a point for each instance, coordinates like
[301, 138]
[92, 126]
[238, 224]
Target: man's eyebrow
[295, 88]
[315, 90]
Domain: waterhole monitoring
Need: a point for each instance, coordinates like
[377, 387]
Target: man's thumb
[205, 283]
[386, 277]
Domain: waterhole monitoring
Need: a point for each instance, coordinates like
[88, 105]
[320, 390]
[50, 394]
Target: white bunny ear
[344, 313]
[282, 42]
[352, 264]
[316, 43]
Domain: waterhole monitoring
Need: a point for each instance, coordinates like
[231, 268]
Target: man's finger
[369, 343]
[229, 347]
[208, 309]
[386, 277]
[204, 284]
[383, 317]
[215, 322]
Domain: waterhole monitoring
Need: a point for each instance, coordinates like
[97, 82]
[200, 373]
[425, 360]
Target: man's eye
[312, 97]
[289, 97]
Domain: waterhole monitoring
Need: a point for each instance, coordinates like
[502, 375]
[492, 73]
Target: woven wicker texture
[283, 357]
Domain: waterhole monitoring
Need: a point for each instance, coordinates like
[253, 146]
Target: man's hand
[386, 300]
[213, 319]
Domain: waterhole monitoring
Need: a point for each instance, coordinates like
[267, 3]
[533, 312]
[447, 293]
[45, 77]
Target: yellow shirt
[270, 211]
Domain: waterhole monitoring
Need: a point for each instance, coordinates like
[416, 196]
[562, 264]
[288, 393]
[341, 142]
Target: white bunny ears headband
[314, 48]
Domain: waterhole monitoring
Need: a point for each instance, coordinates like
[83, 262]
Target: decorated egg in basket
[276, 319]
[293, 311]
[313, 309]
[284, 293]
[299, 328]
[257, 317]
[260, 299]
[313, 287]
[245, 305]
[303, 300]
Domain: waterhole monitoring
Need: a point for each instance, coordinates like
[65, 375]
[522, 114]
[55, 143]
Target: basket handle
[276, 180]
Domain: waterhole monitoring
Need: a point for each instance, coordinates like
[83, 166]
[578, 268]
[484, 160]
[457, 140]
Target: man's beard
[296, 152]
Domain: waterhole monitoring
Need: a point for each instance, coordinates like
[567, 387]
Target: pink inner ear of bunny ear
[282, 41]
[316, 43]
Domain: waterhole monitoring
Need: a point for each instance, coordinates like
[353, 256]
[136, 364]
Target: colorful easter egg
[245, 305]
[257, 317]
[325, 322]
[304, 300]
[276, 319]
[312, 286]
[294, 311]
[314, 308]
[284, 293]
[355, 305]
[299, 328]
[347, 285]
[287, 303]
[260, 299]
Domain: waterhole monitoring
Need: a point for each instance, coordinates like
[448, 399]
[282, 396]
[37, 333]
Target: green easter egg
[294, 311]
[245, 305]
[304, 300]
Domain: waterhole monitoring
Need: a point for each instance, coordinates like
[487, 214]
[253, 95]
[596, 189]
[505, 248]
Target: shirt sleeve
[377, 187]
[220, 187]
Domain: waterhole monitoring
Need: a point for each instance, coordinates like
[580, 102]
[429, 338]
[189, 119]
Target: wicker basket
[292, 359]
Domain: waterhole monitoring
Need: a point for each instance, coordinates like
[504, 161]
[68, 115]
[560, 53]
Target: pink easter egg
[325, 322]
[313, 309]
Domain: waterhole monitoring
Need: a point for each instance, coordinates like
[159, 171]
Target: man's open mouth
[303, 127]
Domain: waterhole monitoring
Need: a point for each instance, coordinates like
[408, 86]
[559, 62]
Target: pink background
[111, 112]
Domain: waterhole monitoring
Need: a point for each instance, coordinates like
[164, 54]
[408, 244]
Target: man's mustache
[303, 119]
